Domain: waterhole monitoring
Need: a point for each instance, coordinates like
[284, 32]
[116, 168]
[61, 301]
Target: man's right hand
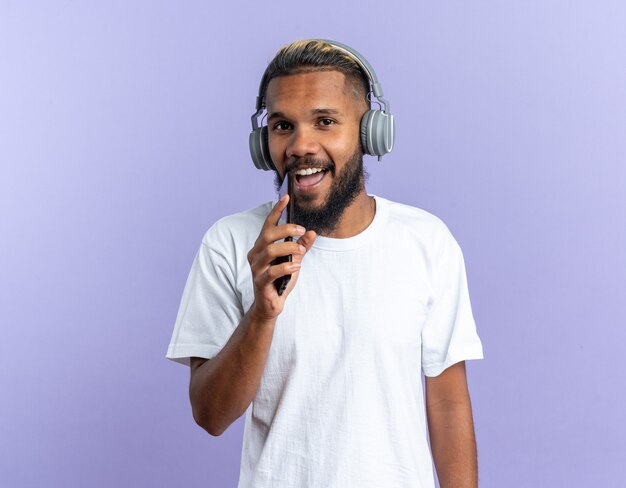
[222, 388]
[268, 304]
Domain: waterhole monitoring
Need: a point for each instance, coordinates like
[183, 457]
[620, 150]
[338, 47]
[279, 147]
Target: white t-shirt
[340, 403]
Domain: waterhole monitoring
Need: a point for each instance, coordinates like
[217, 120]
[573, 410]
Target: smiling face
[313, 133]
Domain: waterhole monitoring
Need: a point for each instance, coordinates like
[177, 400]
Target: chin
[311, 201]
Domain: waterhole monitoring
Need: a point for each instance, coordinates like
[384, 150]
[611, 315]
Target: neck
[356, 217]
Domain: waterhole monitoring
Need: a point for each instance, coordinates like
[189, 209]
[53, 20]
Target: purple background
[123, 136]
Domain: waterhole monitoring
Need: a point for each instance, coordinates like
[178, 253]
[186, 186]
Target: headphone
[377, 131]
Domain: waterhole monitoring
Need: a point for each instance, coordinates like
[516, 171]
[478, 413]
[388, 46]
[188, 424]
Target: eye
[326, 122]
[282, 126]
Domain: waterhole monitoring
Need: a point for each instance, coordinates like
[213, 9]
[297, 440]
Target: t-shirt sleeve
[449, 333]
[210, 308]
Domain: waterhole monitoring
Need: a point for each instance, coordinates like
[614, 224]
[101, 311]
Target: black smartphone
[286, 218]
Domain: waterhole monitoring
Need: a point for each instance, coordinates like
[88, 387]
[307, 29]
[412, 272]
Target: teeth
[308, 171]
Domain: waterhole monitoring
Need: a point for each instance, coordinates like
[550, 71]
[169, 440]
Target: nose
[302, 143]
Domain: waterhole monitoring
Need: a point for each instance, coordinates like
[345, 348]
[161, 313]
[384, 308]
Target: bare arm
[221, 389]
[451, 428]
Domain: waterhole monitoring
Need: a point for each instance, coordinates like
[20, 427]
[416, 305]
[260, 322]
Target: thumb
[307, 239]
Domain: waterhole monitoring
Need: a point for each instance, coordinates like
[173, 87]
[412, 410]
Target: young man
[329, 372]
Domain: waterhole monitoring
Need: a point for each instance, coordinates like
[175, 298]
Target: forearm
[222, 388]
[453, 444]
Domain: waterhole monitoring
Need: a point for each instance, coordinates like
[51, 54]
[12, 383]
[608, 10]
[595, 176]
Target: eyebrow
[315, 111]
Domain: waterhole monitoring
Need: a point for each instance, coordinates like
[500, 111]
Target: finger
[307, 239]
[275, 272]
[283, 269]
[276, 233]
[280, 249]
[273, 251]
[274, 216]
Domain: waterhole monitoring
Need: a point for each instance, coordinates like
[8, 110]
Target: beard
[346, 186]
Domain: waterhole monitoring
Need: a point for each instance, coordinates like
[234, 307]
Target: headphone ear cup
[377, 133]
[259, 149]
[364, 131]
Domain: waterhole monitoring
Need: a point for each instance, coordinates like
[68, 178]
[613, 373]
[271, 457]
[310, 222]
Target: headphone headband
[377, 88]
[367, 69]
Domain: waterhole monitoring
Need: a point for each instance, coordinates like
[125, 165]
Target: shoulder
[417, 231]
[415, 221]
[235, 230]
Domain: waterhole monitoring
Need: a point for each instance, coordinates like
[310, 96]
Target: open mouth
[309, 177]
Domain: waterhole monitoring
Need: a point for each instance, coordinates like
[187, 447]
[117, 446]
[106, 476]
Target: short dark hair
[314, 55]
